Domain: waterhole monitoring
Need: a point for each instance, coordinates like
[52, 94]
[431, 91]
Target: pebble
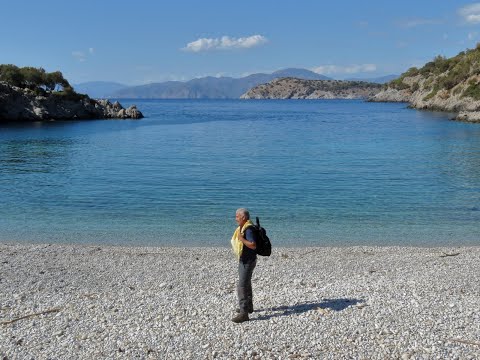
[315, 303]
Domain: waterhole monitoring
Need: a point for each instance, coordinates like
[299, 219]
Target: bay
[317, 172]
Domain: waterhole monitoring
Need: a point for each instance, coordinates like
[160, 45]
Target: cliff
[451, 85]
[19, 104]
[293, 88]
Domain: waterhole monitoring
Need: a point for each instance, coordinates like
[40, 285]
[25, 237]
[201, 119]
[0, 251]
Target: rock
[122, 114]
[18, 104]
[133, 113]
[116, 105]
[391, 95]
[469, 116]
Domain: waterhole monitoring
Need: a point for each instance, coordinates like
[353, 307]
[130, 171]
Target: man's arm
[249, 239]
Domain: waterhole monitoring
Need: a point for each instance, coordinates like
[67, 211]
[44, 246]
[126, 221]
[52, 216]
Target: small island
[451, 85]
[294, 88]
[32, 94]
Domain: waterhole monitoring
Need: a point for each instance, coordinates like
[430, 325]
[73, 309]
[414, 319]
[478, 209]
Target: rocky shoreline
[444, 84]
[465, 109]
[108, 302]
[17, 105]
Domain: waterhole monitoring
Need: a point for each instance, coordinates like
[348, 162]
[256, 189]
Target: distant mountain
[210, 87]
[98, 89]
[379, 80]
[299, 74]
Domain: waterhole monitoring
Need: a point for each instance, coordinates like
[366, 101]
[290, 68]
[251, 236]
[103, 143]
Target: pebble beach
[114, 302]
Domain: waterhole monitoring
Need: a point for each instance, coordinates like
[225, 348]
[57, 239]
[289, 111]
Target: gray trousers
[244, 288]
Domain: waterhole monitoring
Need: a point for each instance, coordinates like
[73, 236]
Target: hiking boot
[240, 318]
[249, 310]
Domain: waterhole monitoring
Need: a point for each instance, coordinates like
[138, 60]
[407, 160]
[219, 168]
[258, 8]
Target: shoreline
[225, 243]
[97, 301]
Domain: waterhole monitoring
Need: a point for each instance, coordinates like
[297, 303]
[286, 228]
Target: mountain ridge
[98, 89]
[208, 87]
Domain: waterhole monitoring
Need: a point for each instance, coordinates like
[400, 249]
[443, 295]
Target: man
[244, 244]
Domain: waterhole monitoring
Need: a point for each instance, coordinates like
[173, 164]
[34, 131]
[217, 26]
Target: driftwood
[451, 254]
[466, 342]
[30, 315]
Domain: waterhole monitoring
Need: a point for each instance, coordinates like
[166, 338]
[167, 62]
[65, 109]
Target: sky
[145, 41]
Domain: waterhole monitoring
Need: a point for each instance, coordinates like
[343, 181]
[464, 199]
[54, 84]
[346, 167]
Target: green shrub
[68, 94]
[413, 71]
[434, 92]
[472, 91]
[399, 84]
[460, 72]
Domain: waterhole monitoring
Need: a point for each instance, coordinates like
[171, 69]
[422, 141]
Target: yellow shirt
[237, 245]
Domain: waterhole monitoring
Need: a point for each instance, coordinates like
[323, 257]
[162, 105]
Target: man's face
[240, 219]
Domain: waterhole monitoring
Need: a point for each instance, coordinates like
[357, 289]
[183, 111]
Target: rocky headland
[23, 104]
[450, 85]
[294, 88]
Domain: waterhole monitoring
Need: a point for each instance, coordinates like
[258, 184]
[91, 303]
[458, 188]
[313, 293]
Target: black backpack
[264, 246]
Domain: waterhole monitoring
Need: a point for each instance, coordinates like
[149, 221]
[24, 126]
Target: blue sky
[137, 42]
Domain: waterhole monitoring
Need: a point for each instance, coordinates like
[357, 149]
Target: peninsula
[444, 84]
[31, 94]
[294, 88]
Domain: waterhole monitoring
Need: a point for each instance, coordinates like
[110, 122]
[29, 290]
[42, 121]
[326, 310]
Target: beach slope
[93, 302]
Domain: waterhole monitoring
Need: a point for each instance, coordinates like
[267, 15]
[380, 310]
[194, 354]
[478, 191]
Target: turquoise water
[326, 172]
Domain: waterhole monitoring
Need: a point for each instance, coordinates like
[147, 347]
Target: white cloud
[410, 23]
[470, 13]
[349, 69]
[225, 43]
[83, 55]
[79, 55]
[472, 35]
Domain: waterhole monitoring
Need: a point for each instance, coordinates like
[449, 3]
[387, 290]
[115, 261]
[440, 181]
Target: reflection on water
[316, 172]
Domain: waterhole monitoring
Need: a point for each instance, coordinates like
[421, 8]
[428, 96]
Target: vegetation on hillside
[445, 74]
[329, 85]
[38, 80]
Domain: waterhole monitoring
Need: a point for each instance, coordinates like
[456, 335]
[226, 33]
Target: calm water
[316, 172]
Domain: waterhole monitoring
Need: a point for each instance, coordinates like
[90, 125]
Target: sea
[316, 173]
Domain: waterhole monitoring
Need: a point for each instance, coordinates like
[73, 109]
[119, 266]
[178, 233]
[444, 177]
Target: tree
[32, 77]
[52, 80]
[12, 75]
